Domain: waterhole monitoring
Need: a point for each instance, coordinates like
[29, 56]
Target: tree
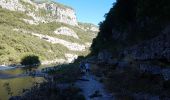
[30, 60]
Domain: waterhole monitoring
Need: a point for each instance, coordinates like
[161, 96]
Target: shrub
[30, 60]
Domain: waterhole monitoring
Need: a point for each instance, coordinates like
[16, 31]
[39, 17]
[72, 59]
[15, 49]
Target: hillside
[135, 50]
[46, 29]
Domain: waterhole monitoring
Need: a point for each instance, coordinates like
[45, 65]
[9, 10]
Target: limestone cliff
[42, 12]
[43, 28]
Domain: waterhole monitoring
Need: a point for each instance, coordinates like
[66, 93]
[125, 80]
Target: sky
[89, 11]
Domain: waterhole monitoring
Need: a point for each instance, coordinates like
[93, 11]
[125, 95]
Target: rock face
[43, 12]
[51, 30]
[65, 15]
[104, 56]
[70, 57]
[71, 46]
[156, 48]
[166, 73]
[87, 27]
[66, 31]
[13, 5]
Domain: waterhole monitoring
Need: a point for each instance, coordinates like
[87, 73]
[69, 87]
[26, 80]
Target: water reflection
[15, 86]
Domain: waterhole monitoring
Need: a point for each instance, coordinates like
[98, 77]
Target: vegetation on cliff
[131, 21]
[135, 31]
[15, 44]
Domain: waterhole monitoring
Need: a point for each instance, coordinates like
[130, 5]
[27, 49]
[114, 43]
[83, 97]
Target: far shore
[9, 67]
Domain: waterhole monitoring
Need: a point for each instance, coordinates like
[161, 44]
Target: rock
[61, 61]
[121, 65]
[150, 69]
[66, 31]
[54, 12]
[71, 46]
[70, 57]
[92, 59]
[88, 27]
[13, 5]
[166, 74]
[142, 96]
[156, 48]
[88, 44]
[104, 56]
[112, 62]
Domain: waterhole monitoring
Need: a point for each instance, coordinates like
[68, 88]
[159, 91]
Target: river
[15, 85]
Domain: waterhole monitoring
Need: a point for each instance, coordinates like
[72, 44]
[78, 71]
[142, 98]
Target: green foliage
[49, 28]
[51, 1]
[41, 1]
[43, 12]
[16, 45]
[134, 21]
[86, 25]
[11, 18]
[27, 5]
[70, 73]
[30, 60]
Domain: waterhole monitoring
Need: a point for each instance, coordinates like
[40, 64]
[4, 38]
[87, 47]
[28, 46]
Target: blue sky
[90, 11]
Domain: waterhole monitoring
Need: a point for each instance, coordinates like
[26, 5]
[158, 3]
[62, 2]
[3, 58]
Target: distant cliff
[44, 12]
[43, 28]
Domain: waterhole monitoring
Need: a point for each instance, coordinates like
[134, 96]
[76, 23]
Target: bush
[30, 60]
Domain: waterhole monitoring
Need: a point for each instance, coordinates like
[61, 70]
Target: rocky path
[93, 89]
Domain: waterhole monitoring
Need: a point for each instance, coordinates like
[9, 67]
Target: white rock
[69, 45]
[88, 44]
[32, 22]
[13, 5]
[57, 13]
[61, 61]
[70, 57]
[66, 31]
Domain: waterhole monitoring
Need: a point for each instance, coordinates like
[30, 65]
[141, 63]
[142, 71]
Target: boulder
[104, 56]
[166, 74]
[150, 69]
[121, 65]
[142, 96]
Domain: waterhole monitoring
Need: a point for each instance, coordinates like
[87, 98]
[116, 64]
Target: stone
[66, 31]
[142, 96]
[150, 69]
[57, 13]
[121, 65]
[71, 57]
[12, 5]
[88, 27]
[71, 46]
[166, 74]
[155, 48]
[104, 56]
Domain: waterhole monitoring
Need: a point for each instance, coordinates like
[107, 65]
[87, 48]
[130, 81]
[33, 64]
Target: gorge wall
[44, 28]
[45, 12]
[133, 48]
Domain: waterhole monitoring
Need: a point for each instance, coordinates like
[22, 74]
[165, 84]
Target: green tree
[30, 60]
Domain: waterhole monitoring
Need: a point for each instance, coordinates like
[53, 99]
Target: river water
[15, 86]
